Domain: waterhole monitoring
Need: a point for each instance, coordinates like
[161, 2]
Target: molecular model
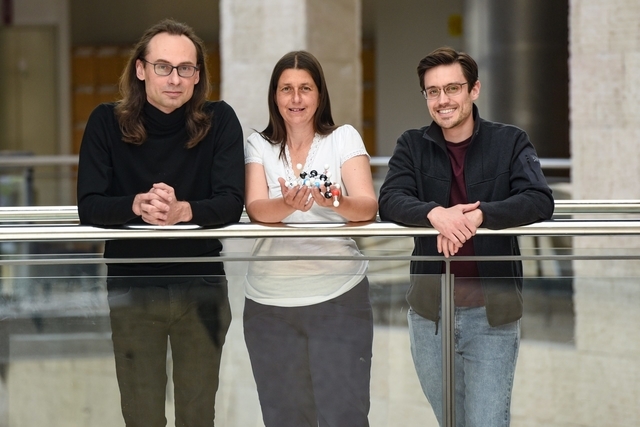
[311, 179]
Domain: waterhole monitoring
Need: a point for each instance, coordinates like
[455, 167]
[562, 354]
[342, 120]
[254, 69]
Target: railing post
[448, 348]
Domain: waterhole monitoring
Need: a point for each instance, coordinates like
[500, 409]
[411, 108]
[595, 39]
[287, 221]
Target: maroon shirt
[467, 288]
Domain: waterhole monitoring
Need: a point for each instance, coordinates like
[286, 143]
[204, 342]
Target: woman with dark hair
[308, 324]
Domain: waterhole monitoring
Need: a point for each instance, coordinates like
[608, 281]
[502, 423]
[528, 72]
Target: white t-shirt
[305, 282]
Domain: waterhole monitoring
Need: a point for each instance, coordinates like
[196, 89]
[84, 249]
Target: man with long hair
[162, 156]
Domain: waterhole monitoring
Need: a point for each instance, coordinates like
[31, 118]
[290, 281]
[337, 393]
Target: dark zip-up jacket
[503, 172]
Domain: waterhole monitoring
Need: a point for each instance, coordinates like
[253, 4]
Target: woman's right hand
[298, 197]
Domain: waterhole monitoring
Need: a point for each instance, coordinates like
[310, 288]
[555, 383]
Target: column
[255, 34]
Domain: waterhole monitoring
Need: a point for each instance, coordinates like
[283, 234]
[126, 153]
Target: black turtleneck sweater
[210, 176]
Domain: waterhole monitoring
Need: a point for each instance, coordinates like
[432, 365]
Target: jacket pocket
[424, 295]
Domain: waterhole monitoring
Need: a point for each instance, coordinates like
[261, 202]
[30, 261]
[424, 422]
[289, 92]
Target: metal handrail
[545, 163]
[72, 160]
[50, 214]
[69, 214]
[40, 160]
[16, 233]
[596, 207]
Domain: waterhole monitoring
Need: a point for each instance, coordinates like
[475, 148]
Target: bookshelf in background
[95, 74]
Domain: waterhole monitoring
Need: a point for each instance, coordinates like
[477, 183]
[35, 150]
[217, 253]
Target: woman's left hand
[319, 198]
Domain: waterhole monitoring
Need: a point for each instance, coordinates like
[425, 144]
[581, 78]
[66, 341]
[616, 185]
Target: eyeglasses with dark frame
[163, 69]
[452, 89]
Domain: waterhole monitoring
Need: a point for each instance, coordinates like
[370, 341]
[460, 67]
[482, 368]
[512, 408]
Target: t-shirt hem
[306, 301]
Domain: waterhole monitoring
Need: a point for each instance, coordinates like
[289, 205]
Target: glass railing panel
[395, 394]
[57, 360]
[591, 379]
[45, 184]
[578, 349]
[578, 355]
[58, 341]
[577, 363]
[549, 314]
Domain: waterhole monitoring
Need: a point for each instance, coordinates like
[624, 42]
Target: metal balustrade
[60, 224]
[72, 160]
[69, 214]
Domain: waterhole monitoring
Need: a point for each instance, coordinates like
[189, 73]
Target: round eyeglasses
[163, 69]
[452, 89]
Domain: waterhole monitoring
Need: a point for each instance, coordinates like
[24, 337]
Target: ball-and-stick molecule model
[312, 179]
[335, 192]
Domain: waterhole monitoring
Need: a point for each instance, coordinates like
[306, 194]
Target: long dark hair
[323, 124]
[133, 95]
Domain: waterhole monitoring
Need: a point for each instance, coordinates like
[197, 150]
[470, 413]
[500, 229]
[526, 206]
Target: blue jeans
[485, 362]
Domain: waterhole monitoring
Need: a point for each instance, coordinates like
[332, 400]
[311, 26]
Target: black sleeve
[399, 194]
[95, 173]
[530, 198]
[227, 173]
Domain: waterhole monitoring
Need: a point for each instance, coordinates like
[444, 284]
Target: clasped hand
[159, 206]
[456, 225]
[302, 197]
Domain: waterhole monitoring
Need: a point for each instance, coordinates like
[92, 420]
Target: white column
[255, 34]
[605, 130]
